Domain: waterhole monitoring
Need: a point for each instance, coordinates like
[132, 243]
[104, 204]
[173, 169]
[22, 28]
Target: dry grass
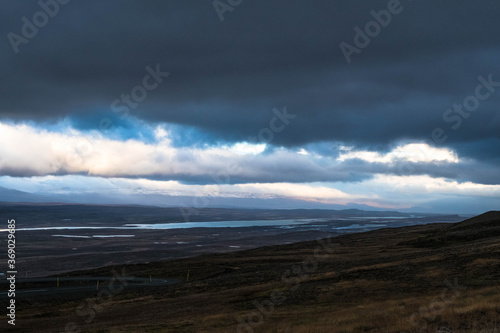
[373, 282]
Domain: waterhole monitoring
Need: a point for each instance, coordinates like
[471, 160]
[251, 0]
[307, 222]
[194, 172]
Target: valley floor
[427, 278]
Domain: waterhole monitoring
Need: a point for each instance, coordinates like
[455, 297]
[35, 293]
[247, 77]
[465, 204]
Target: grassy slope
[390, 280]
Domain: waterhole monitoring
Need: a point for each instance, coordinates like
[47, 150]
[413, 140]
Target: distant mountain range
[15, 196]
[9, 195]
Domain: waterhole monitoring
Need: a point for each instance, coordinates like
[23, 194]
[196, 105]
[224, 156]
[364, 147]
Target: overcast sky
[389, 104]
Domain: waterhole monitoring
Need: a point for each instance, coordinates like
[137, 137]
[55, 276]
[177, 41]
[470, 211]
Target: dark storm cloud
[226, 77]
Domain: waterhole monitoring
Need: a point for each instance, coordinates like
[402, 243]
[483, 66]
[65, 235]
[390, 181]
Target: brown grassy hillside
[415, 279]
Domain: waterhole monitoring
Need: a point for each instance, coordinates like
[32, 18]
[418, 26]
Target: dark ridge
[483, 226]
[489, 219]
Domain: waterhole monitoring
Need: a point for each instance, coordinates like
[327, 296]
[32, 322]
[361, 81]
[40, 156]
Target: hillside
[386, 280]
[483, 226]
[484, 221]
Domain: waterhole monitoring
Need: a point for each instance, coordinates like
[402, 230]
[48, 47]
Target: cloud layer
[38, 152]
[165, 92]
[71, 162]
[225, 77]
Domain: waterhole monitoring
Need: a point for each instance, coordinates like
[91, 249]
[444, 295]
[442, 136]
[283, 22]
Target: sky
[390, 105]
